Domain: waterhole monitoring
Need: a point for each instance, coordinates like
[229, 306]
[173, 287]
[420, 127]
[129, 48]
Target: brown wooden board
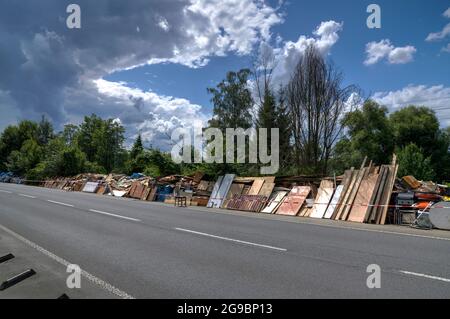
[235, 189]
[294, 201]
[269, 179]
[372, 211]
[145, 193]
[152, 195]
[388, 191]
[352, 174]
[353, 193]
[203, 186]
[412, 182]
[362, 199]
[267, 189]
[256, 187]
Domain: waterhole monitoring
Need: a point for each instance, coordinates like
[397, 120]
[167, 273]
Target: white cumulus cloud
[436, 97]
[288, 54]
[377, 51]
[152, 115]
[436, 36]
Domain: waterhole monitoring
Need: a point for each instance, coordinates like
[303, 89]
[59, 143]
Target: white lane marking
[103, 284]
[59, 203]
[7, 192]
[424, 276]
[25, 195]
[113, 215]
[230, 239]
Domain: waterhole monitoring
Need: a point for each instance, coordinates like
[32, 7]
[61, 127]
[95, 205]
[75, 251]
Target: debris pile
[371, 194]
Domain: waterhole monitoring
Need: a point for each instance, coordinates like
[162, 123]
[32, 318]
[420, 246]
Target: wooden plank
[412, 182]
[152, 195]
[362, 199]
[256, 186]
[353, 193]
[294, 201]
[390, 187]
[372, 211]
[267, 189]
[343, 204]
[348, 176]
[269, 179]
[235, 189]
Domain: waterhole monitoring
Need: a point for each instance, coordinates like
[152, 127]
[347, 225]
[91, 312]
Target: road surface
[151, 250]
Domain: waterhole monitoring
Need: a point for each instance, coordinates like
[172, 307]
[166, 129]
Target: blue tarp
[5, 177]
[163, 192]
[137, 176]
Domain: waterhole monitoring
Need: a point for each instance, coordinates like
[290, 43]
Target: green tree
[412, 161]
[419, 125]
[44, 131]
[102, 142]
[30, 154]
[368, 133]
[108, 141]
[13, 137]
[232, 102]
[86, 138]
[70, 134]
[137, 148]
[267, 113]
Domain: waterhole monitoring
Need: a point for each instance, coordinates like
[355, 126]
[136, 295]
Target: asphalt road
[151, 250]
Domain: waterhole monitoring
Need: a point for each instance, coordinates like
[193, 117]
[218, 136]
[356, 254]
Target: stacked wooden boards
[366, 194]
[250, 198]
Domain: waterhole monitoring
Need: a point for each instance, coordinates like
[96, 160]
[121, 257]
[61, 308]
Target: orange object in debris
[422, 205]
[428, 196]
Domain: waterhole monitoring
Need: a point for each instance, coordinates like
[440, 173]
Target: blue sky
[403, 22]
[148, 63]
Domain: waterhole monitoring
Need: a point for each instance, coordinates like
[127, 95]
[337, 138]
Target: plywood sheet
[294, 201]
[353, 192]
[274, 202]
[267, 189]
[235, 189]
[323, 198]
[362, 200]
[393, 169]
[269, 179]
[334, 202]
[256, 187]
[348, 179]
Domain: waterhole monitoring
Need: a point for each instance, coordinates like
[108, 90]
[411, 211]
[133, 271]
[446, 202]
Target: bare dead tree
[317, 101]
[263, 65]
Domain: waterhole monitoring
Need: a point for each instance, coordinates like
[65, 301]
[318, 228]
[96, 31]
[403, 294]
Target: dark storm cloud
[49, 69]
